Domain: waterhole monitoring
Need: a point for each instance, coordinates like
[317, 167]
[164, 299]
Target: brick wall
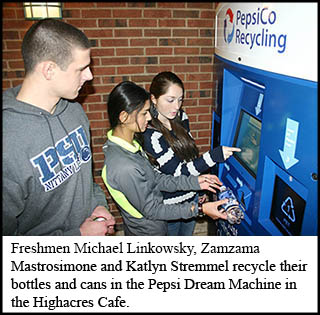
[131, 41]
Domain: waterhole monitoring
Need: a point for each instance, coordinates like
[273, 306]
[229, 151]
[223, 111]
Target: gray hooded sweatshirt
[48, 187]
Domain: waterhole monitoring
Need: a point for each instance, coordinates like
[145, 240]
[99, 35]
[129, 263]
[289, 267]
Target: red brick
[157, 69]
[93, 99]
[206, 102]
[186, 68]
[97, 156]
[185, 32]
[12, 55]
[6, 84]
[129, 51]
[102, 52]
[111, 4]
[11, 5]
[171, 4]
[207, 15]
[143, 23]
[200, 23]
[204, 117]
[172, 42]
[199, 126]
[115, 42]
[94, 116]
[112, 23]
[185, 14]
[201, 141]
[130, 70]
[189, 85]
[127, 33]
[199, 77]
[172, 23]
[82, 23]
[16, 64]
[143, 42]
[13, 44]
[115, 61]
[103, 71]
[96, 13]
[200, 5]
[16, 24]
[67, 5]
[159, 51]
[154, 13]
[71, 13]
[200, 42]
[172, 60]
[207, 51]
[143, 60]
[9, 13]
[10, 35]
[131, 13]
[96, 33]
[204, 134]
[157, 33]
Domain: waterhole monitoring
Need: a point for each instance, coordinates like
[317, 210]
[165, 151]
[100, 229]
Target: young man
[48, 187]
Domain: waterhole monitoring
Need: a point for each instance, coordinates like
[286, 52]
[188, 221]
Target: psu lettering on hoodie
[57, 164]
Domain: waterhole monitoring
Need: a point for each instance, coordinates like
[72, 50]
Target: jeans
[182, 227]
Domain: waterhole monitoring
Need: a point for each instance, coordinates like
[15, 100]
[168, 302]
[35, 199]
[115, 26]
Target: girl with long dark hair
[168, 140]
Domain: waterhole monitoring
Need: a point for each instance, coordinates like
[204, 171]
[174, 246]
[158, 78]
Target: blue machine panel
[283, 204]
[273, 119]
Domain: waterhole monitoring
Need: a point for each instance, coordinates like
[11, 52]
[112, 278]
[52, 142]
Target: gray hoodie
[48, 187]
[128, 171]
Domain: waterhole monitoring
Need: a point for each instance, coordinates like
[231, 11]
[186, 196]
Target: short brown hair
[54, 40]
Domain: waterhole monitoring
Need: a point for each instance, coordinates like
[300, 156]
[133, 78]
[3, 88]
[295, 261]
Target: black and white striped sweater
[170, 163]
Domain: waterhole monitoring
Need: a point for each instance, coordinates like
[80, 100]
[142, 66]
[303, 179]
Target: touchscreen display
[247, 138]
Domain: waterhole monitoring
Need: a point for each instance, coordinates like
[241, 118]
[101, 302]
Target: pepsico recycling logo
[228, 24]
[255, 29]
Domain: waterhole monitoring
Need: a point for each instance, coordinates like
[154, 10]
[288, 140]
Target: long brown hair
[181, 142]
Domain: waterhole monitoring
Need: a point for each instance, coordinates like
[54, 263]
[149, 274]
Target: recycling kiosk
[267, 53]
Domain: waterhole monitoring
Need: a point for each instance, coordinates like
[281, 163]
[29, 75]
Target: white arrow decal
[239, 181]
[258, 108]
[290, 142]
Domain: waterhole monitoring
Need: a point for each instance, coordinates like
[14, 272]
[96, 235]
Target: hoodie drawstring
[52, 138]
[70, 140]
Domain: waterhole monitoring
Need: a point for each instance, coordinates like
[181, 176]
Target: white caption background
[160, 281]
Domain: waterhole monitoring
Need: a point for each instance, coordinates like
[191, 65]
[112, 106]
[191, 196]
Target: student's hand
[93, 228]
[208, 181]
[211, 209]
[204, 198]
[101, 211]
[228, 151]
[98, 228]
